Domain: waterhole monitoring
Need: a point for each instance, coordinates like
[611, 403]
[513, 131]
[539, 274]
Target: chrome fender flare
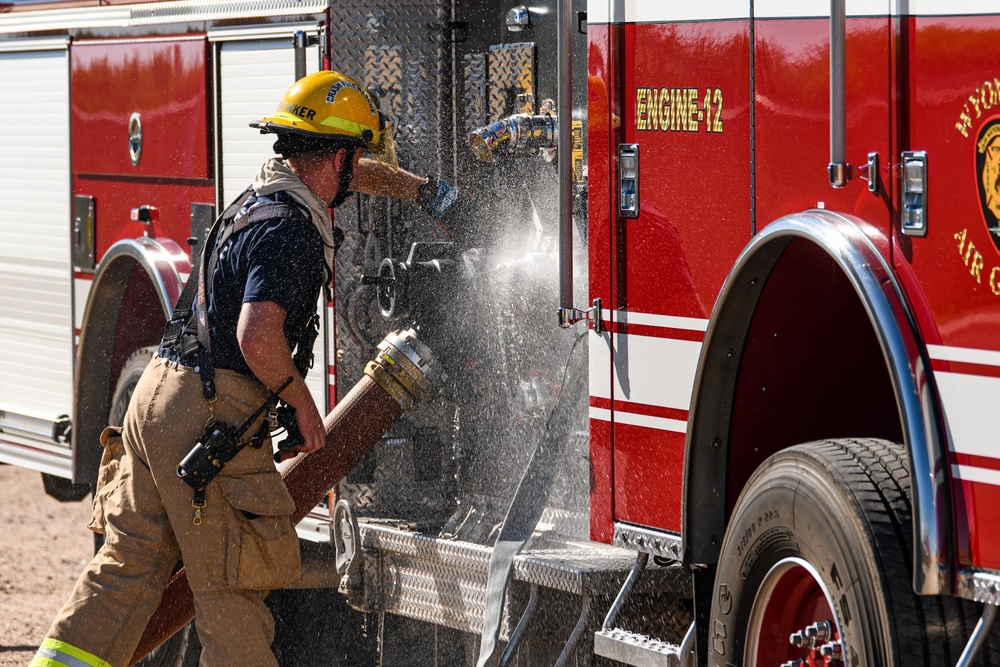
[703, 513]
[165, 262]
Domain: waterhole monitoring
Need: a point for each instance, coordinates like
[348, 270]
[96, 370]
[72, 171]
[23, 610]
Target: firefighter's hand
[437, 197]
[260, 332]
[311, 427]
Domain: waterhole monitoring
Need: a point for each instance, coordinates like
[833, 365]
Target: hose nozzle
[520, 134]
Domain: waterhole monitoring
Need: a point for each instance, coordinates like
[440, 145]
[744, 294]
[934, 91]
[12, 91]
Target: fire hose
[397, 379]
[526, 508]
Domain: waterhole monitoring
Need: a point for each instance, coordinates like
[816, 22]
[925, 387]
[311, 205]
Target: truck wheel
[125, 387]
[183, 649]
[127, 381]
[816, 566]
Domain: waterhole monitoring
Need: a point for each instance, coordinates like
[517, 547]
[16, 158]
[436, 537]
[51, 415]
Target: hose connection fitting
[521, 134]
[404, 367]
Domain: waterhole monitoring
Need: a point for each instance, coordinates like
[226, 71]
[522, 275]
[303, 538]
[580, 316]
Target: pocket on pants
[108, 475]
[262, 551]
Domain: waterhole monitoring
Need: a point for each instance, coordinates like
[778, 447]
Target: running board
[635, 649]
[389, 567]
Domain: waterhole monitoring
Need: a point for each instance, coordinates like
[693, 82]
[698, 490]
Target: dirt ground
[44, 545]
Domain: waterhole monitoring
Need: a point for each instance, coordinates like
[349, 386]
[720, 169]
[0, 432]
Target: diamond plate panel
[498, 83]
[652, 542]
[511, 80]
[444, 581]
[402, 53]
[475, 92]
[636, 649]
[979, 585]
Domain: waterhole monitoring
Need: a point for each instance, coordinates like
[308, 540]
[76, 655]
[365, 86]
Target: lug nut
[799, 639]
[831, 650]
[820, 631]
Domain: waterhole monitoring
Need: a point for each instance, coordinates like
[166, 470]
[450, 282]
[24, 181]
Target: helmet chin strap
[346, 176]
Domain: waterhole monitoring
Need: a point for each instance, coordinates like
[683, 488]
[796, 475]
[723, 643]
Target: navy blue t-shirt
[279, 260]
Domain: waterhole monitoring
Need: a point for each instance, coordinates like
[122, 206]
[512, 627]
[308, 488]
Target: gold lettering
[717, 123]
[690, 120]
[994, 281]
[976, 266]
[640, 109]
[973, 259]
[664, 109]
[975, 103]
[708, 109]
[680, 109]
[964, 122]
[960, 237]
[987, 100]
[678, 100]
[653, 106]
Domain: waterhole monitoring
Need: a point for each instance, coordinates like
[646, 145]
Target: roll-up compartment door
[253, 76]
[36, 311]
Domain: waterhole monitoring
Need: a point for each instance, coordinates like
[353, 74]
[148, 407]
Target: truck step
[443, 581]
[635, 649]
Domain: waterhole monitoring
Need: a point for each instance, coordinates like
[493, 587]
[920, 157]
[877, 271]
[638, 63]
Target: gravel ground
[44, 545]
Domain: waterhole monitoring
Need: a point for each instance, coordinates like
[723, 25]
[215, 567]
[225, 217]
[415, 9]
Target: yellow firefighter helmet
[333, 109]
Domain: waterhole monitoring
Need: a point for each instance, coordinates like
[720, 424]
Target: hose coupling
[521, 134]
[405, 368]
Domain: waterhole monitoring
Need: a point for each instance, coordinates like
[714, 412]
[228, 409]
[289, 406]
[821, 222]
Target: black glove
[437, 197]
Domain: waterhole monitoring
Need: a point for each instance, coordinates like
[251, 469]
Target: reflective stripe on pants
[54, 653]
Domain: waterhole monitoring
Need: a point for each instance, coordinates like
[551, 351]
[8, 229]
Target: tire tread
[877, 473]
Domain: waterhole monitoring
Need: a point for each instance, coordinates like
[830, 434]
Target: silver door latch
[913, 207]
[628, 180]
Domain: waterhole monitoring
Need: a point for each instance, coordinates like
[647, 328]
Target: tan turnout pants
[245, 545]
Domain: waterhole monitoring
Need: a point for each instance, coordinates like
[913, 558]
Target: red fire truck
[778, 221]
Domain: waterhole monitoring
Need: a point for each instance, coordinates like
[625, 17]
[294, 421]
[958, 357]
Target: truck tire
[128, 378]
[127, 381]
[822, 534]
[183, 649]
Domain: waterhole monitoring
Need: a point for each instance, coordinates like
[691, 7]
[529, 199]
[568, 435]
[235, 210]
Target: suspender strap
[183, 311]
[206, 368]
[303, 357]
[188, 331]
[193, 298]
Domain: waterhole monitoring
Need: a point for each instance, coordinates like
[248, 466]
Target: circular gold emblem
[988, 172]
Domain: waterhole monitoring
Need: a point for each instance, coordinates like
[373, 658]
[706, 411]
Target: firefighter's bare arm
[261, 336]
[435, 195]
[373, 179]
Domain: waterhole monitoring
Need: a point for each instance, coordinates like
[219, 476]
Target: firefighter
[268, 259]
